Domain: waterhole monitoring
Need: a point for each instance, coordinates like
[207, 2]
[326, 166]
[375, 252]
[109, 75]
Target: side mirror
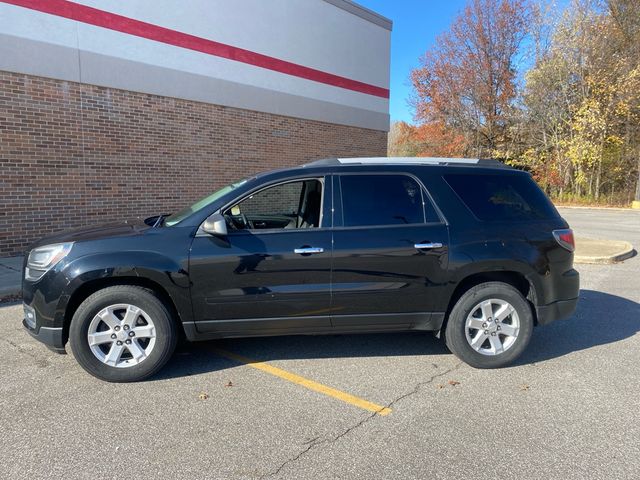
[215, 225]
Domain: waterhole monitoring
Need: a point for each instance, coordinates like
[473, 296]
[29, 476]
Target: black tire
[455, 334]
[165, 333]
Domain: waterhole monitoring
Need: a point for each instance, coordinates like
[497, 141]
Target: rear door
[390, 253]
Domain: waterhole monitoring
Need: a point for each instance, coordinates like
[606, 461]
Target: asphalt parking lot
[568, 409]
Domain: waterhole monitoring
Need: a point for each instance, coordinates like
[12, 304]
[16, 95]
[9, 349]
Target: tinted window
[380, 200]
[502, 197]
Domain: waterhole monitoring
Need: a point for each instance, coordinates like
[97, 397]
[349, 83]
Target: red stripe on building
[119, 23]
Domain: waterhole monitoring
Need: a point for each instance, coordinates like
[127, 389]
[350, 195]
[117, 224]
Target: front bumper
[43, 302]
[556, 311]
[52, 337]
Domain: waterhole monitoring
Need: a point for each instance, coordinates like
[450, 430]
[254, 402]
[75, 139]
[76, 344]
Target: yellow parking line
[305, 382]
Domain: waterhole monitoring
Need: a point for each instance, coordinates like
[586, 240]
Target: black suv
[470, 249]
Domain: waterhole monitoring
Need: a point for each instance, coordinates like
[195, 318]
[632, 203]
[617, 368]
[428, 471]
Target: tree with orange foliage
[435, 139]
[465, 87]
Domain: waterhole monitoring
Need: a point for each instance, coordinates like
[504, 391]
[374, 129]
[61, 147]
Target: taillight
[565, 238]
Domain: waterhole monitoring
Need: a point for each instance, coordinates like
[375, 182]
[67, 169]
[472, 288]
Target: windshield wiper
[160, 219]
[156, 220]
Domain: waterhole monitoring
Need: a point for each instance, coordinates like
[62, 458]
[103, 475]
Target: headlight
[42, 259]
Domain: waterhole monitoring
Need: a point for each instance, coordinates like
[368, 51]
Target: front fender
[151, 267]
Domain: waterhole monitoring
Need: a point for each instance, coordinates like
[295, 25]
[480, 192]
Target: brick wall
[74, 154]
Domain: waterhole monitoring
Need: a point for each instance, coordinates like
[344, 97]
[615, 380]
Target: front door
[271, 273]
[390, 253]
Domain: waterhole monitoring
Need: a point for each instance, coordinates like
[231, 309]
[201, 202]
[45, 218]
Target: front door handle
[308, 250]
[422, 246]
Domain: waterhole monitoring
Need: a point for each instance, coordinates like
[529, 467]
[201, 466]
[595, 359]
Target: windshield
[202, 203]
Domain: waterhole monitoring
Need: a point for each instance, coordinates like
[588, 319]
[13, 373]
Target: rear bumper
[563, 291]
[556, 311]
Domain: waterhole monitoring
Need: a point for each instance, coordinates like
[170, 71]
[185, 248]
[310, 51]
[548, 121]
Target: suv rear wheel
[122, 333]
[490, 325]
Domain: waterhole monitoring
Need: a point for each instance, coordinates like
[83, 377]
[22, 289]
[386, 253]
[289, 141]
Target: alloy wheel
[492, 327]
[121, 335]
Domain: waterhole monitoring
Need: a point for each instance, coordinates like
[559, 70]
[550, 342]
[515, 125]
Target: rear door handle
[308, 250]
[422, 246]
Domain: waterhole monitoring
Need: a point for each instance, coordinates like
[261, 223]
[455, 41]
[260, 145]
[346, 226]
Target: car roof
[391, 164]
[418, 161]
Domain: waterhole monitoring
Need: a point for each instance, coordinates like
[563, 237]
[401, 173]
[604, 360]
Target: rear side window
[369, 200]
[502, 197]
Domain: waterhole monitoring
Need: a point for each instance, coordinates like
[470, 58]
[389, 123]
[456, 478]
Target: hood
[109, 230]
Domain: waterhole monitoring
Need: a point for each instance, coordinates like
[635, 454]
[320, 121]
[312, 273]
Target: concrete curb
[10, 297]
[10, 278]
[581, 207]
[11, 291]
[606, 251]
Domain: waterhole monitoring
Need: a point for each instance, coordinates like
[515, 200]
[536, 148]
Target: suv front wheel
[490, 325]
[122, 333]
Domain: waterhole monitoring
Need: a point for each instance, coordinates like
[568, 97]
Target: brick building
[112, 110]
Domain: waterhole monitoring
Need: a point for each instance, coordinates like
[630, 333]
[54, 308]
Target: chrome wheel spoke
[504, 312]
[509, 330]
[478, 340]
[136, 351]
[144, 331]
[114, 354]
[487, 310]
[99, 338]
[477, 323]
[108, 317]
[496, 344]
[131, 316]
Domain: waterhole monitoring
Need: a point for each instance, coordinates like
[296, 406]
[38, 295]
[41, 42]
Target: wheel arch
[516, 279]
[90, 287]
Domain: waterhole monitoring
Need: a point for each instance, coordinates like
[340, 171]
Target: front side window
[369, 200]
[290, 205]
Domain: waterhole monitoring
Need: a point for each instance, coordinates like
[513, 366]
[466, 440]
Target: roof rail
[408, 161]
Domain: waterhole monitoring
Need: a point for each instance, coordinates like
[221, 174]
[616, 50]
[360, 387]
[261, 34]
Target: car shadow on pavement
[201, 357]
[600, 319]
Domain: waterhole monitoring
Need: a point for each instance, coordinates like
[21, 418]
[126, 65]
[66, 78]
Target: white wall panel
[311, 33]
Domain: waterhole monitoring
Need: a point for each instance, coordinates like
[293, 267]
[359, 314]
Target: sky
[416, 24]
